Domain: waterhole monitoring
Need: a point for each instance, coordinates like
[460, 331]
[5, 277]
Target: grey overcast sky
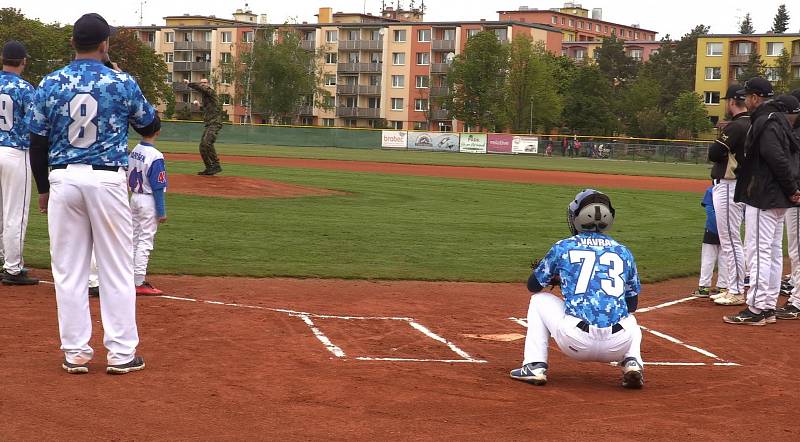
[675, 17]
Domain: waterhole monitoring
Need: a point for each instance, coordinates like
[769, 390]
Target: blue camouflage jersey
[15, 97]
[84, 109]
[597, 274]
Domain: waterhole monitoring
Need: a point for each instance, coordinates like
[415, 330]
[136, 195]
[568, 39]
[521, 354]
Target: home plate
[501, 338]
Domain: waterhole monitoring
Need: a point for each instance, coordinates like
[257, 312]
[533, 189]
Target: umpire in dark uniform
[212, 119]
[769, 184]
[726, 154]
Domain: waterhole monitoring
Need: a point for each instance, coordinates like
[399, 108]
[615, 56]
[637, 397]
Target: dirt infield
[240, 187]
[249, 366]
[477, 173]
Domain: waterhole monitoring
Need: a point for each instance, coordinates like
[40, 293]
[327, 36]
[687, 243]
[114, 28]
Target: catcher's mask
[591, 211]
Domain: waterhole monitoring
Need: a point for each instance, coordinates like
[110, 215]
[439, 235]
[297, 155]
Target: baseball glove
[555, 281]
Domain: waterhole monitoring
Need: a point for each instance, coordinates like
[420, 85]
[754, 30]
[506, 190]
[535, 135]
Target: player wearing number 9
[600, 286]
[79, 127]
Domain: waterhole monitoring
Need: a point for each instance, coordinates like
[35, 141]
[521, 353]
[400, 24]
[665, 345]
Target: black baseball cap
[795, 93]
[758, 86]
[91, 29]
[788, 104]
[733, 93]
[14, 50]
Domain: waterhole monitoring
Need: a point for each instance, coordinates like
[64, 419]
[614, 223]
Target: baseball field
[321, 293]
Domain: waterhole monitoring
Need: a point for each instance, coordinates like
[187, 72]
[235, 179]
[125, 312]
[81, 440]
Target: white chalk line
[666, 304]
[422, 329]
[322, 338]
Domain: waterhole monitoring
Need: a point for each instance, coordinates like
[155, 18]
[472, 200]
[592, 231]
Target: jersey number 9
[6, 112]
[82, 131]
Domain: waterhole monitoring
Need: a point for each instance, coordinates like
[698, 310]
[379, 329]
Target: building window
[580, 25]
[376, 57]
[397, 125]
[772, 74]
[227, 78]
[398, 58]
[331, 36]
[225, 57]
[330, 80]
[330, 58]
[420, 125]
[350, 122]
[374, 103]
[225, 98]
[744, 48]
[501, 34]
[207, 36]
[423, 81]
[423, 58]
[597, 28]
[169, 57]
[424, 35]
[711, 97]
[774, 49]
[247, 37]
[714, 49]
[327, 122]
[187, 36]
[571, 23]
[563, 21]
[169, 37]
[554, 20]
[471, 32]
[635, 35]
[353, 35]
[352, 57]
[330, 101]
[397, 104]
[713, 73]
[398, 81]
[420, 104]
[400, 35]
[605, 29]
[449, 35]
[636, 54]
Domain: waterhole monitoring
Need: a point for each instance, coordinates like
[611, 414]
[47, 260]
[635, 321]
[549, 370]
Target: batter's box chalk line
[308, 319]
[717, 361]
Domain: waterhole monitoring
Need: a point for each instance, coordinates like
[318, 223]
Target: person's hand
[162, 219]
[185, 81]
[43, 199]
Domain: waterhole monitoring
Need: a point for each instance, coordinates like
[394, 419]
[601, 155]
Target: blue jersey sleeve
[36, 116]
[548, 266]
[142, 112]
[632, 284]
[157, 175]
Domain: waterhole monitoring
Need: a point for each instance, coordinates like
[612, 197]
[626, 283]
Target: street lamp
[530, 130]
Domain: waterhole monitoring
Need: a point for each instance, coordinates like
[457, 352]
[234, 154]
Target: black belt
[94, 167]
[585, 327]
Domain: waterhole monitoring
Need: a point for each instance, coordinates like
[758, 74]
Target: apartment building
[376, 67]
[722, 58]
[583, 34]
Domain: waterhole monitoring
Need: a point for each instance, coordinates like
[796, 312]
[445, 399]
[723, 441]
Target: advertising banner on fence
[438, 141]
[499, 143]
[525, 144]
[472, 143]
[395, 139]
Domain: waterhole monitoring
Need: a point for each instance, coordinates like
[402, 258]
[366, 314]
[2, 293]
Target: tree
[586, 106]
[746, 26]
[532, 98]
[673, 67]
[639, 102]
[650, 123]
[783, 69]
[755, 67]
[781, 22]
[688, 116]
[142, 62]
[476, 81]
[283, 76]
[614, 63]
[47, 44]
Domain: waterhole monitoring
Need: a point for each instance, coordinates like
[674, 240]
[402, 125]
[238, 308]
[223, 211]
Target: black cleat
[20, 278]
[134, 365]
[71, 368]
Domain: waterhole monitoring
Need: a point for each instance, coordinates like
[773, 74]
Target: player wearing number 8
[79, 127]
[600, 285]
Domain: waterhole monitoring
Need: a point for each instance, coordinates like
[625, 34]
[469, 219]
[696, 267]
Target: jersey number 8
[6, 112]
[613, 285]
[82, 131]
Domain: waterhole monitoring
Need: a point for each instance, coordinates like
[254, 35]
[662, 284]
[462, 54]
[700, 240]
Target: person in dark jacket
[726, 154]
[768, 185]
[791, 310]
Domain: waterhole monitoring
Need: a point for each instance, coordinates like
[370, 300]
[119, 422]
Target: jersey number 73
[613, 285]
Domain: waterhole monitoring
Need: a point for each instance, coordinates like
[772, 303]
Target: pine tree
[781, 22]
[746, 26]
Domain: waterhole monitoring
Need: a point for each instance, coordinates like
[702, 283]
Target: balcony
[441, 114]
[360, 112]
[179, 86]
[443, 45]
[346, 111]
[796, 59]
[440, 91]
[439, 68]
[369, 90]
[194, 66]
[359, 67]
[305, 110]
[347, 89]
[308, 45]
[739, 58]
[368, 45]
[192, 45]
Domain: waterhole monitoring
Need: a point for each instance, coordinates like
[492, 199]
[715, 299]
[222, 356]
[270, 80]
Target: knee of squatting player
[600, 286]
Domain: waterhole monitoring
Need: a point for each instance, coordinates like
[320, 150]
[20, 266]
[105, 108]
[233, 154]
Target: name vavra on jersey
[597, 242]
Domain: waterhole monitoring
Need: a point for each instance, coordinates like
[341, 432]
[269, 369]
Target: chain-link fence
[671, 151]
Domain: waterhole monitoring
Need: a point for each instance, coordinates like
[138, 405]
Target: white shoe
[730, 299]
[632, 373]
[719, 294]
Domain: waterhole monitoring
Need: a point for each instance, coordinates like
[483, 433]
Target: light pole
[530, 128]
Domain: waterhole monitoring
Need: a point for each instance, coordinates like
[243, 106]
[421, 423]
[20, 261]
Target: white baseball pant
[709, 256]
[145, 225]
[764, 238]
[90, 207]
[94, 275]
[729, 224]
[15, 188]
[547, 317]
[792, 220]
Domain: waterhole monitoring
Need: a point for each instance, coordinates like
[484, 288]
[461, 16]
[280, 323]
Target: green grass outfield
[399, 227]
[642, 168]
